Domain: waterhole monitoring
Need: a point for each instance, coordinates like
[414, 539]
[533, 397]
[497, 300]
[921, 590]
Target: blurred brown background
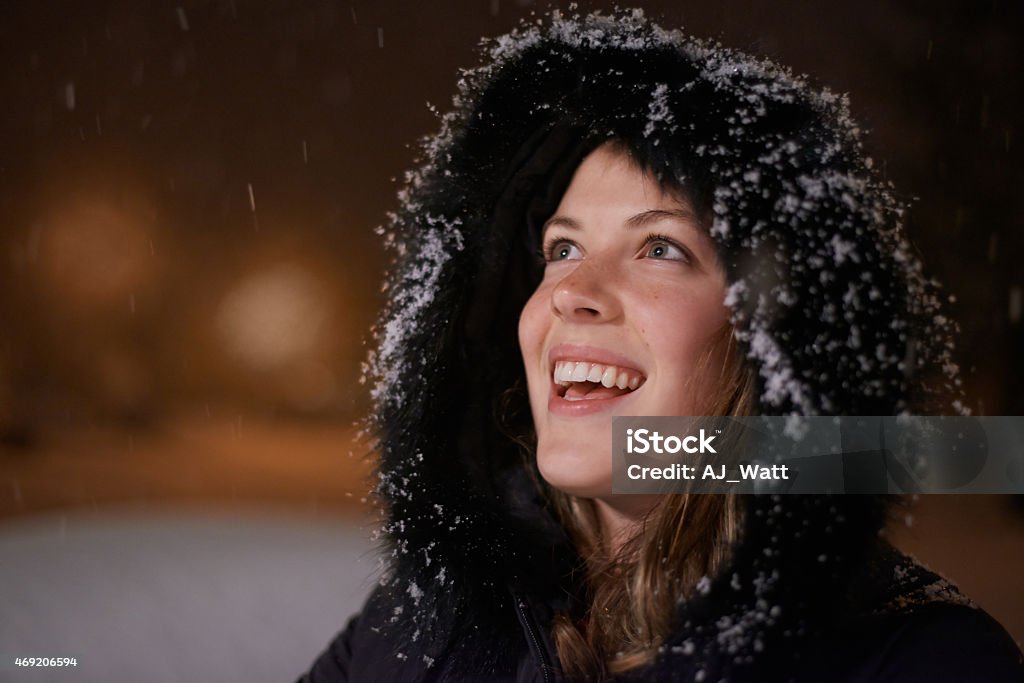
[188, 270]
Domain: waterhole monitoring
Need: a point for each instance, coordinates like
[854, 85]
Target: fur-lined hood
[827, 300]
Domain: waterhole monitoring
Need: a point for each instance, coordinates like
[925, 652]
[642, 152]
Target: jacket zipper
[534, 640]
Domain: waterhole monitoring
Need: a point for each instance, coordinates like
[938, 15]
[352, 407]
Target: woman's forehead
[611, 185]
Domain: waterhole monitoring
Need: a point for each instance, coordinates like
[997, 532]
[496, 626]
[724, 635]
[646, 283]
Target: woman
[616, 219]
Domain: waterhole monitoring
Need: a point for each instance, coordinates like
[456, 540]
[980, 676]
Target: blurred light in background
[276, 322]
[95, 252]
[272, 318]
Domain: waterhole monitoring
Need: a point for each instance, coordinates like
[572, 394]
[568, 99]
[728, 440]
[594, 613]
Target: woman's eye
[660, 249]
[563, 251]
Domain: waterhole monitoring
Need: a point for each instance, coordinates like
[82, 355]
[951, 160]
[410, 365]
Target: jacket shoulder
[367, 650]
[943, 641]
[333, 664]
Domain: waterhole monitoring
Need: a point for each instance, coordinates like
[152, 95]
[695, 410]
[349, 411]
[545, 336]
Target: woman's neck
[620, 519]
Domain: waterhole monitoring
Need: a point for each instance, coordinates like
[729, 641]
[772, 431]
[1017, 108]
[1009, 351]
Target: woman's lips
[593, 354]
[613, 377]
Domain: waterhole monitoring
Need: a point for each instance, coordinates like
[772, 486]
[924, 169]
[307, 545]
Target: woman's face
[631, 297]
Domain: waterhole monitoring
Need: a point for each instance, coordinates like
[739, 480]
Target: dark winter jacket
[827, 301]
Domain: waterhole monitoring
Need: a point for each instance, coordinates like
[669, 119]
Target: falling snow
[1016, 304]
[182, 18]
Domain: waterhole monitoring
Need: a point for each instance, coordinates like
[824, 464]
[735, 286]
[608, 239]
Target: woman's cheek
[533, 325]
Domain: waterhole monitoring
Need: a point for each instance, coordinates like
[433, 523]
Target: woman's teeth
[567, 372]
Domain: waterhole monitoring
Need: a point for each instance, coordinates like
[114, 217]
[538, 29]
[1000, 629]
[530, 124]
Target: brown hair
[633, 593]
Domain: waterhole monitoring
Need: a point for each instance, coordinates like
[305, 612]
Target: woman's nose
[587, 294]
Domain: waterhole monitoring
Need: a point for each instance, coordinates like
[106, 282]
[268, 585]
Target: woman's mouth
[581, 387]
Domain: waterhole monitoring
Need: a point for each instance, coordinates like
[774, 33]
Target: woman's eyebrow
[561, 221]
[654, 215]
[637, 221]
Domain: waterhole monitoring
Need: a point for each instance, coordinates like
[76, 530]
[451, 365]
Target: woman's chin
[586, 475]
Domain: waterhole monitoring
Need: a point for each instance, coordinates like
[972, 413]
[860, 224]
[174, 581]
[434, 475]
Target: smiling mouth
[585, 381]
